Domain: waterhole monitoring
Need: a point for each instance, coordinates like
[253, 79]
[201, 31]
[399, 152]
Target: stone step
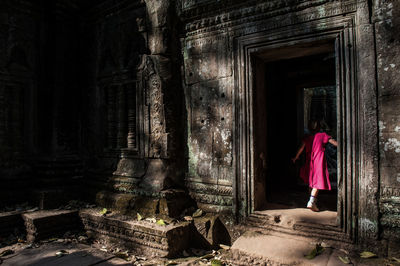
[141, 236]
[253, 248]
[298, 229]
[50, 223]
[320, 227]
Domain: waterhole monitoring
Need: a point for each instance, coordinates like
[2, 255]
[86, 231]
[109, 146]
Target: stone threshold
[302, 223]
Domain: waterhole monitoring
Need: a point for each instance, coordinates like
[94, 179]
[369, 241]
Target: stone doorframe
[356, 106]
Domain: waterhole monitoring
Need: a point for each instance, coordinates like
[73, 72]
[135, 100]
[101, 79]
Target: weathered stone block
[131, 168]
[156, 178]
[168, 203]
[141, 236]
[207, 58]
[45, 224]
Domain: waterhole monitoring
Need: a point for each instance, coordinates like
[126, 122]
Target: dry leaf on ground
[315, 252]
[367, 255]
[345, 260]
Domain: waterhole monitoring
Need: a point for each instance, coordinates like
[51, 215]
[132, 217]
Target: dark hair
[314, 126]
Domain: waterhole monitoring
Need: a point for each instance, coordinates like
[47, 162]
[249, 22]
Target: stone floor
[254, 246]
[70, 254]
[250, 249]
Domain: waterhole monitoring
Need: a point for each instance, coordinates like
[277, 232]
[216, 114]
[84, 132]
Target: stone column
[110, 117]
[131, 94]
[121, 109]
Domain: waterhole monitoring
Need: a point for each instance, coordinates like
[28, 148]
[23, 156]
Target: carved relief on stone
[158, 139]
[152, 83]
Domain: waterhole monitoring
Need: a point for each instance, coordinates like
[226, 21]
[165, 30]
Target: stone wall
[134, 113]
[39, 128]
[18, 83]
[387, 31]
[213, 32]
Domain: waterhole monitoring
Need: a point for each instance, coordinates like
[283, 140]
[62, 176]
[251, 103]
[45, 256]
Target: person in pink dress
[315, 171]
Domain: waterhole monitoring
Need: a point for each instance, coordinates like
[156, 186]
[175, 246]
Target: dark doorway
[292, 87]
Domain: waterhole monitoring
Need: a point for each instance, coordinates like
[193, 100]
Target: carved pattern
[389, 192]
[263, 11]
[139, 235]
[209, 189]
[212, 199]
[152, 84]
[157, 123]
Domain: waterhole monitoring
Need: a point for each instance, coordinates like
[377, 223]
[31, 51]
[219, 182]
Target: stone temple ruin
[165, 107]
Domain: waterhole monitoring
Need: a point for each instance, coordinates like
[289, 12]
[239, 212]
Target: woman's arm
[299, 152]
[333, 142]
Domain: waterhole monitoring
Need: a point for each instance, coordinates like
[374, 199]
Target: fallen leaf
[161, 222]
[139, 217]
[367, 255]
[170, 263]
[197, 213]
[395, 259]
[345, 260]
[103, 211]
[122, 255]
[216, 263]
[315, 252]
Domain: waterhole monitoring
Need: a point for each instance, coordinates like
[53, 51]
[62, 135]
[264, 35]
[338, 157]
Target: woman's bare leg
[314, 192]
[313, 198]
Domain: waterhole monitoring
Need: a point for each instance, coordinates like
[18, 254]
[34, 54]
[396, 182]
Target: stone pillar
[111, 99]
[121, 109]
[131, 94]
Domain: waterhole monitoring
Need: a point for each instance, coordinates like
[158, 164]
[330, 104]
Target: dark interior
[288, 94]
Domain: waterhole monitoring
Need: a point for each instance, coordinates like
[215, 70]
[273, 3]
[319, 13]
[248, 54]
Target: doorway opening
[292, 85]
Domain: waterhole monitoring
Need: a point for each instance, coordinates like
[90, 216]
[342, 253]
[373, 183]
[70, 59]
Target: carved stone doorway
[337, 42]
[288, 92]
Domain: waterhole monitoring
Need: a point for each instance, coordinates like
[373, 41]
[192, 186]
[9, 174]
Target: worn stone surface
[46, 224]
[143, 236]
[211, 232]
[387, 22]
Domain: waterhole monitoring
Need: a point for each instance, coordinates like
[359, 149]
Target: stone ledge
[141, 236]
[43, 224]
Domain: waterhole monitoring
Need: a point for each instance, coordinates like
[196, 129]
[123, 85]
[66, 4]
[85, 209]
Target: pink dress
[315, 171]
